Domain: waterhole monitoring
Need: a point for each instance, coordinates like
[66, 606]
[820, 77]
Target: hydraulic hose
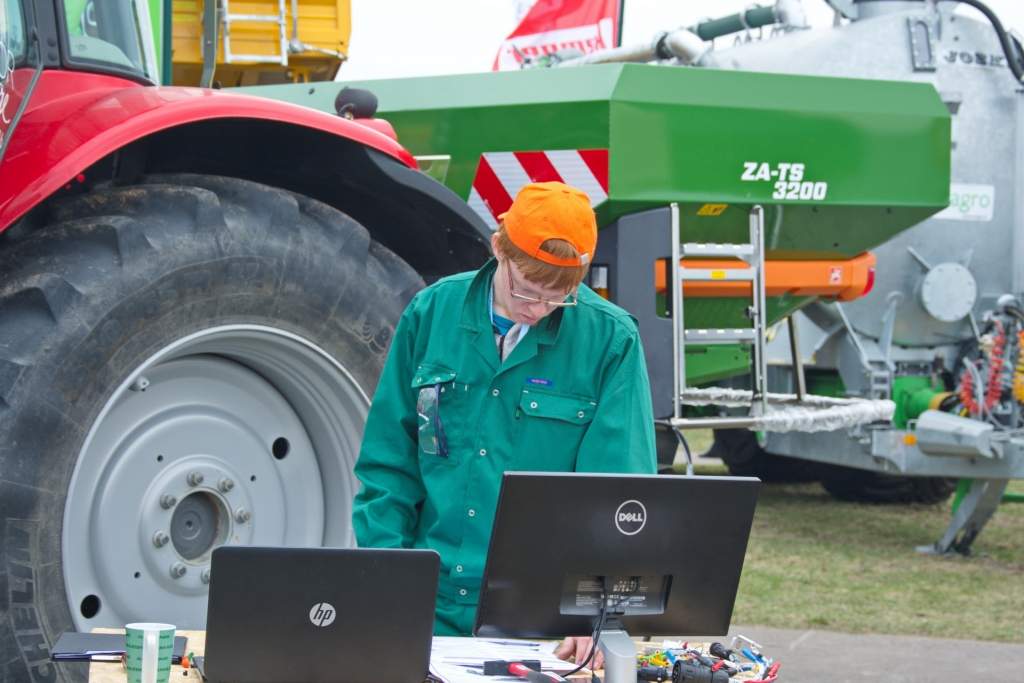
[1018, 370]
[752, 18]
[1013, 57]
[994, 387]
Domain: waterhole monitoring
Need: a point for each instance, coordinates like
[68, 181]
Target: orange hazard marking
[842, 280]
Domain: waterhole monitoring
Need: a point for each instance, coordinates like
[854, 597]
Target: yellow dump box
[261, 41]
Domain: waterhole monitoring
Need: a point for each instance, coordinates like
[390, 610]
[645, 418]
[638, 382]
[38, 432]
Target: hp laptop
[319, 615]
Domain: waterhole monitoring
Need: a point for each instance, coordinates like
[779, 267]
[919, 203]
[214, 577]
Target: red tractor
[197, 292]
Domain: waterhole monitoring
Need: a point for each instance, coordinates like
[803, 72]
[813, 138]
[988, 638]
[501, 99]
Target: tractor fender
[108, 130]
[84, 117]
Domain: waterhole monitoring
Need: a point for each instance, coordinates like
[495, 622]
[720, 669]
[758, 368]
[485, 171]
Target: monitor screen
[666, 552]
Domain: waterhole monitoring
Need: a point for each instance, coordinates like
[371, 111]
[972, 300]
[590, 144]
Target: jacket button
[533, 404]
[471, 513]
[495, 392]
[463, 592]
[458, 568]
[579, 414]
[483, 451]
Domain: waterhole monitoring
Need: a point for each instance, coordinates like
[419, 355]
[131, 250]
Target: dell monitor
[651, 555]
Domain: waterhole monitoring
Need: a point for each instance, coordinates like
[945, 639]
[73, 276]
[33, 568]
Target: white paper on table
[461, 660]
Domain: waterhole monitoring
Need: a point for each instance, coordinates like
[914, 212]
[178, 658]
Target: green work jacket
[572, 396]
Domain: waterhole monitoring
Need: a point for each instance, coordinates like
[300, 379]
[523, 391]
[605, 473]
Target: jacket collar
[475, 314]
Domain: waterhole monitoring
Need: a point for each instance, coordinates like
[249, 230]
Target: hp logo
[631, 517]
[322, 614]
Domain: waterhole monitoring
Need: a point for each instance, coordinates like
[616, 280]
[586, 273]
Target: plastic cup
[148, 648]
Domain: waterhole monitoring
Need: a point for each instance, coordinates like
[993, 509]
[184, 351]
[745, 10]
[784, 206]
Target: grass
[815, 562]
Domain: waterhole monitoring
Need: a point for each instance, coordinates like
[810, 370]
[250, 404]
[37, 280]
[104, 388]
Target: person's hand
[576, 649]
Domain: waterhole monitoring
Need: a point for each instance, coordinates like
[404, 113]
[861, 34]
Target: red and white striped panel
[500, 176]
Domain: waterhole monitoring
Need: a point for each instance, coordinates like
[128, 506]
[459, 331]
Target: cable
[1013, 58]
[686, 450]
[596, 636]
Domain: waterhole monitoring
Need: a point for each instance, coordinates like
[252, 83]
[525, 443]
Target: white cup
[149, 648]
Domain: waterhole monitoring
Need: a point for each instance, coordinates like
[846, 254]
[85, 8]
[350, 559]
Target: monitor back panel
[314, 615]
[693, 534]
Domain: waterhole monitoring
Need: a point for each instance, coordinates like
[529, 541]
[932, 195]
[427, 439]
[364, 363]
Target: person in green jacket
[515, 366]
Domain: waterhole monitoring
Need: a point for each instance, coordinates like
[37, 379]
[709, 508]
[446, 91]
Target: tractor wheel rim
[239, 434]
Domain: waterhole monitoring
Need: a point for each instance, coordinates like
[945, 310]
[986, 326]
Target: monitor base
[619, 657]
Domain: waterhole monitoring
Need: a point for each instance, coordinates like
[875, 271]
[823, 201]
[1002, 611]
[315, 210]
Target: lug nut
[178, 570]
[167, 501]
[205, 575]
[195, 478]
[160, 539]
[225, 485]
[140, 384]
[242, 516]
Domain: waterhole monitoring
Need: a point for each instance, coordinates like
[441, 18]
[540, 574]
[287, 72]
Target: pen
[520, 643]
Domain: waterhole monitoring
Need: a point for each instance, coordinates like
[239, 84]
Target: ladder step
[713, 249]
[721, 336]
[261, 59]
[269, 18]
[717, 274]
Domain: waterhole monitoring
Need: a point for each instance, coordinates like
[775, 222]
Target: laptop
[319, 615]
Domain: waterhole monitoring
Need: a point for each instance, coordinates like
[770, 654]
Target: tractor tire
[744, 456]
[862, 486]
[183, 363]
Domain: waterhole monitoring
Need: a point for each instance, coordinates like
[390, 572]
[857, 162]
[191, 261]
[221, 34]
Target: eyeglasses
[569, 300]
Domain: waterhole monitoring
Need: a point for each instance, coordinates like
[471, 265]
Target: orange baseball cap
[544, 211]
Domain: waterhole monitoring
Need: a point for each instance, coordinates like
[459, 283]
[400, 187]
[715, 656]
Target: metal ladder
[753, 254]
[227, 19]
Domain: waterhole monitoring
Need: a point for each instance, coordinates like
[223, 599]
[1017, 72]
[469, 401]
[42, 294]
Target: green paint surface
[689, 135]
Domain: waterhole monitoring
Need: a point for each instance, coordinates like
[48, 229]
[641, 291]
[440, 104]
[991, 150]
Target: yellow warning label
[712, 209]
[717, 274]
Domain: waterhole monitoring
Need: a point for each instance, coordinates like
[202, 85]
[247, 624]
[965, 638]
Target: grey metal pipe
[734, 23]
[690, 45]
[713, 422]
[680, 44]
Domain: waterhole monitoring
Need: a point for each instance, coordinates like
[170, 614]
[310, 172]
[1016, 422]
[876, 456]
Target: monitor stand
[619, 656]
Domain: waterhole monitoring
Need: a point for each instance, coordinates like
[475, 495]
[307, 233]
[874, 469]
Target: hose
[1018, 371]
[966, 390]
[1013, 57]
[994, 388]
[970, 381]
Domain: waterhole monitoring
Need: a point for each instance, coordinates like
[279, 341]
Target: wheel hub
[237, 435]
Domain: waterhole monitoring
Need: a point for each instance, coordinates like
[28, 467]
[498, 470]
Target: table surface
[113, 672]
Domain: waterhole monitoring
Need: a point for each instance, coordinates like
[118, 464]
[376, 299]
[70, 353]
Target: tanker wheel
[184, 363]
[862, 486]
[744, 456]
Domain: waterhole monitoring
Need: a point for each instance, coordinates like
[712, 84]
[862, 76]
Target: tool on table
[770, 675]
[527, 668]
[653, 673]
[720, 651]
[684, 671]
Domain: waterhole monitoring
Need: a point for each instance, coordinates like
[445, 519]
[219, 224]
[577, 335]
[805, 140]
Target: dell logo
[322, 614]
[631, 517]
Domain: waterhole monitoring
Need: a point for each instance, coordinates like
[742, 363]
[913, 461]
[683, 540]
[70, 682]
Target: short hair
[539, 272]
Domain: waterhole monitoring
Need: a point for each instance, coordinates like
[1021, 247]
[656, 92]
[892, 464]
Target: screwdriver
[528, 669]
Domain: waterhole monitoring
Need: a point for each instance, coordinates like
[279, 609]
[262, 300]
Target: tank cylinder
[874, 8]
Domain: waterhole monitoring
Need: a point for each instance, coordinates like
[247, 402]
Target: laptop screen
[292, 615]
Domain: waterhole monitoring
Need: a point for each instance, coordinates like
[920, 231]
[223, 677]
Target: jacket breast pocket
[551, 429]
[440, 414]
